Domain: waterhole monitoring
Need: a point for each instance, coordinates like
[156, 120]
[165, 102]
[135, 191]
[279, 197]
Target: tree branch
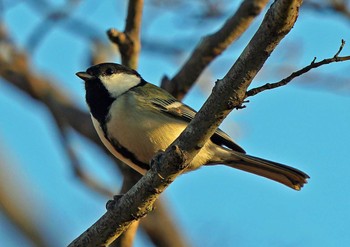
[127, 238]
[212, 46]
[300, 72]
[228, 94]
[128, 41]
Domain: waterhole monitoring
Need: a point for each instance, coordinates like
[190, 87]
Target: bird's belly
[111, 149]
[145, 137]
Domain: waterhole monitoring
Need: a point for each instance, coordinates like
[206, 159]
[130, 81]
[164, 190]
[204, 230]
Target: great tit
[135, 119]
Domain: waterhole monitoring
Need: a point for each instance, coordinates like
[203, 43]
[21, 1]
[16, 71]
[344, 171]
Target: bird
[135, 120]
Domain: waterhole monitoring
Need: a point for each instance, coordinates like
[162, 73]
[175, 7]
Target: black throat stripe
[98, 99]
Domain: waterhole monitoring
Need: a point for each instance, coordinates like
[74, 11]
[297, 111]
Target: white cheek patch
[120, 83]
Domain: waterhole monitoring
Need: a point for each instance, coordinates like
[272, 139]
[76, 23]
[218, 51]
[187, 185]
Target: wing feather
[181, 111]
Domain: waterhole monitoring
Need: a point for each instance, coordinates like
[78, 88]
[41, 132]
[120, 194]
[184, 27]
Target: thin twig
[340, 48]
[300, 72]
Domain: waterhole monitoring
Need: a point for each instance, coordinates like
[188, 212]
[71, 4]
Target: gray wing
[181, 111]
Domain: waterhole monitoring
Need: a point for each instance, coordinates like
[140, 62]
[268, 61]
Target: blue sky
[305, 126]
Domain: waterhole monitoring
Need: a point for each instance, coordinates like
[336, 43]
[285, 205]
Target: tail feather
[286, 175]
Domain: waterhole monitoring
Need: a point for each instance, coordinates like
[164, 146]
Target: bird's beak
[85, 76]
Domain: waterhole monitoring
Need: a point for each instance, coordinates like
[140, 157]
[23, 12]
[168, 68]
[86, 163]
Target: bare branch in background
[300, 72]
[228, 94]
[13, 191]
[212, 46]
[78, 169]
[337, 6]
[16, 70]
[166, 236]
[128, 41]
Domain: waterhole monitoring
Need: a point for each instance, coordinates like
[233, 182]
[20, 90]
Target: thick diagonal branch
[227, 94]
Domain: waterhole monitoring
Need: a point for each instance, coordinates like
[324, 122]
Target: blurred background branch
[212, 46]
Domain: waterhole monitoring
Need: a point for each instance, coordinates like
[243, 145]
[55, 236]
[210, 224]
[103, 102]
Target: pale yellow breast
[111, 148]
[143, 132]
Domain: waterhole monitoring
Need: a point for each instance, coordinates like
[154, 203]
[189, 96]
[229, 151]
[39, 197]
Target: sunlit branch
[300, 72]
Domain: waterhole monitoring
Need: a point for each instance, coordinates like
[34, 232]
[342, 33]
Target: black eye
[109, 71]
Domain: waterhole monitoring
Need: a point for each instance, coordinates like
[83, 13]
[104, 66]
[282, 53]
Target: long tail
[283, 174]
